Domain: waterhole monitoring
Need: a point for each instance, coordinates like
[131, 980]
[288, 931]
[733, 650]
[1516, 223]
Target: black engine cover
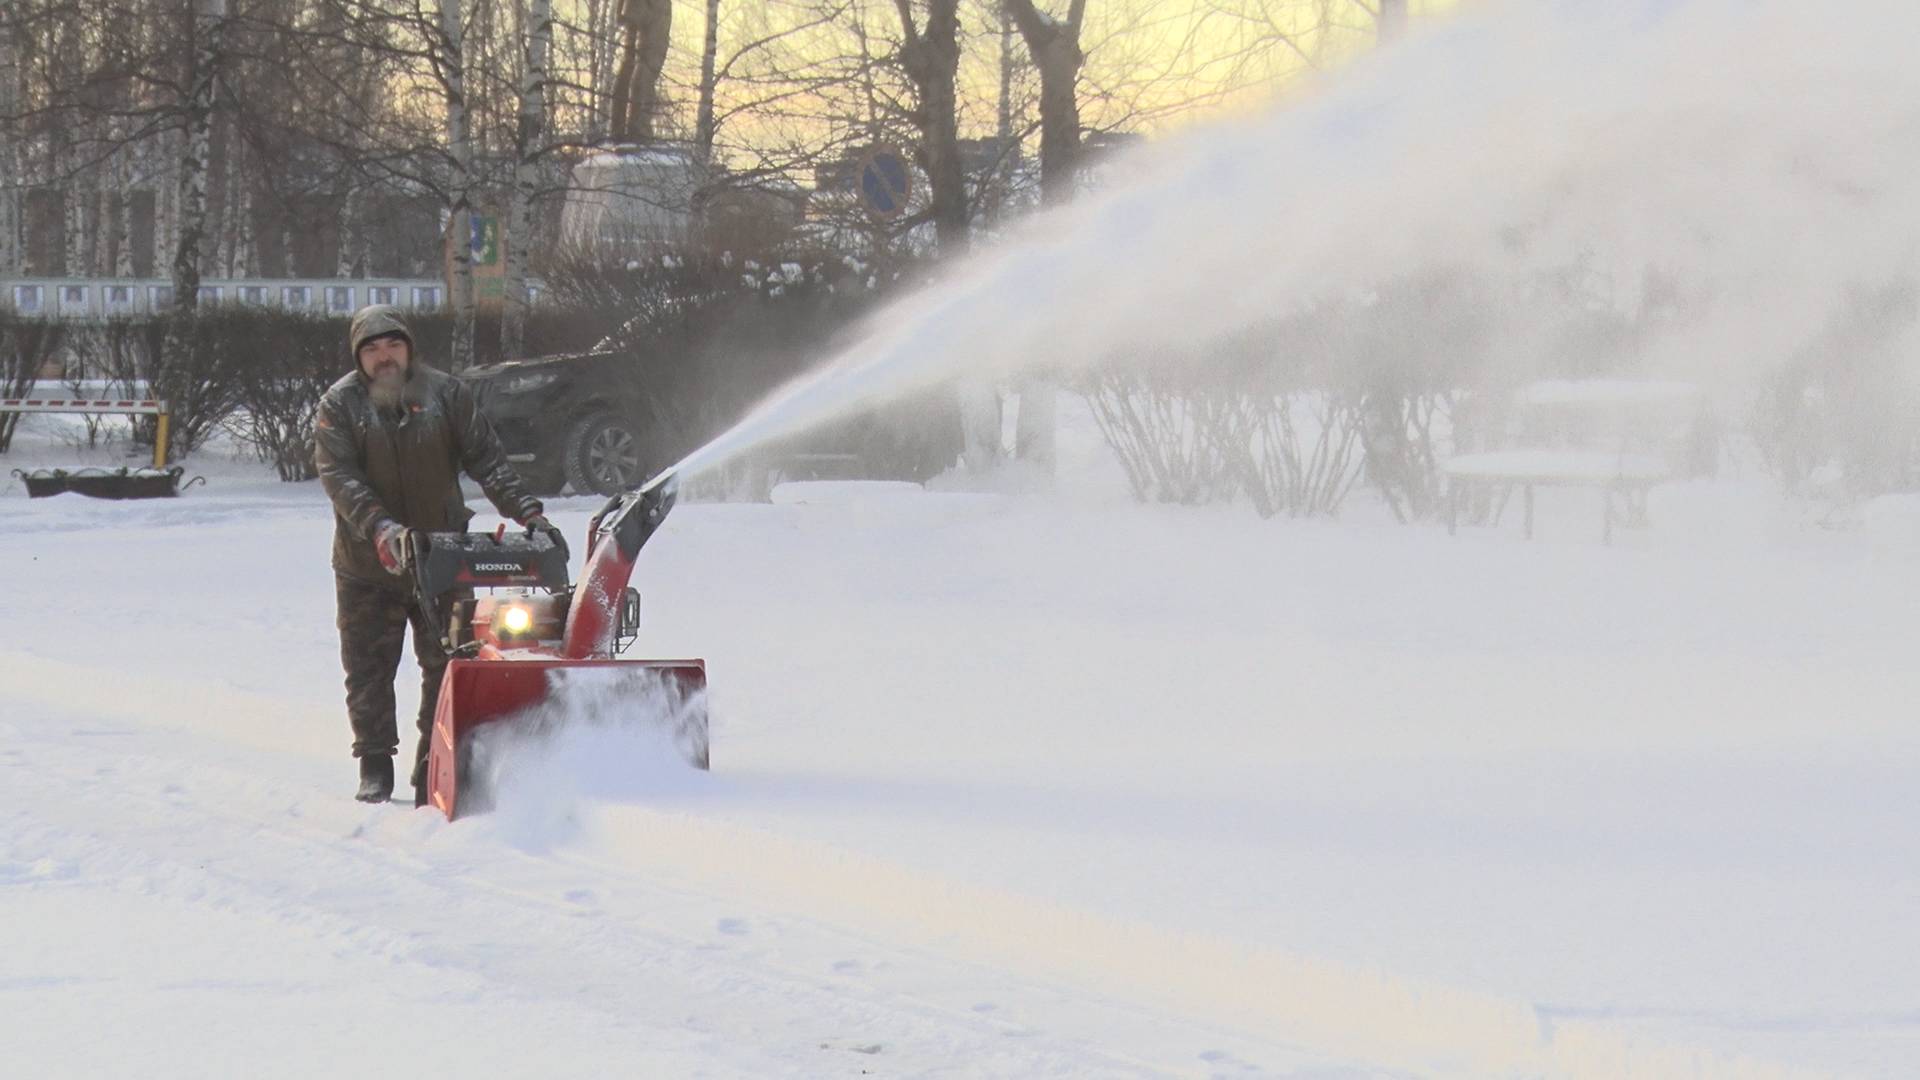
[444, 561]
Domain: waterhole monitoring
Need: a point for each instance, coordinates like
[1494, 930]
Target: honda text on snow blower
[515, 648]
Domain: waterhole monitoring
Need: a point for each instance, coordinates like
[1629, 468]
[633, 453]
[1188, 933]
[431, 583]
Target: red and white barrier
[129, 406]
[82, 405]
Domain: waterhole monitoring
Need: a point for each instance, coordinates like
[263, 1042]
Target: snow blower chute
[514, 647]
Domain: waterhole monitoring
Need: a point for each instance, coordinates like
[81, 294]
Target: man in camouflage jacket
[391, 439]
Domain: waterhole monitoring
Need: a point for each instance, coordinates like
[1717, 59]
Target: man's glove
[390, 543]
[538, 523]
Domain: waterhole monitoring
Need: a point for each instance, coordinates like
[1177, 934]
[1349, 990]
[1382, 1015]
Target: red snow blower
[517, 647]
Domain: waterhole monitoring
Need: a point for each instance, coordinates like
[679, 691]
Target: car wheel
[605, 455]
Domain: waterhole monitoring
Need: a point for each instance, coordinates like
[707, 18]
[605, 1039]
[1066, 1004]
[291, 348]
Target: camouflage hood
[372, 321]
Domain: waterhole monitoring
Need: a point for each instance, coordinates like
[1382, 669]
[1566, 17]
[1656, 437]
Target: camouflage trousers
[373, 620]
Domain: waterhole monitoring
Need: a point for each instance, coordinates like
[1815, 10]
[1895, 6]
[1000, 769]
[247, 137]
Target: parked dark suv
[574, 419]
[608, 421]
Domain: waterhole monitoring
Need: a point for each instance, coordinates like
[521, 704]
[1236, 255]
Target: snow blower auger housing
[518, 644]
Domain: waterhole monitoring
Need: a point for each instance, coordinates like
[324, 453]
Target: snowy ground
[1002, 787]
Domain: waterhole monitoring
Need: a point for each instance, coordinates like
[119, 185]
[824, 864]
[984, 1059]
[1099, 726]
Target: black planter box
[103, 483]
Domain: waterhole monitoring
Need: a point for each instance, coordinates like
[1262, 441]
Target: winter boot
[420, 771]
[376, 778]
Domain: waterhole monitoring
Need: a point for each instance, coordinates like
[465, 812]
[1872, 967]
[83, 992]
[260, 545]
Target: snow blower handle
[439, 563]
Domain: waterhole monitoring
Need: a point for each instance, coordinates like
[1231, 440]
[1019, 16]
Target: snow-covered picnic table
[1627, 476]
[1609, 434]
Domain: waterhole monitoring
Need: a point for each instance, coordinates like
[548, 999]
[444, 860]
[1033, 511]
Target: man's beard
[389, 388]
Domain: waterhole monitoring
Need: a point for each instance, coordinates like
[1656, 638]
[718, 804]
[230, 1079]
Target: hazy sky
[1152, 64]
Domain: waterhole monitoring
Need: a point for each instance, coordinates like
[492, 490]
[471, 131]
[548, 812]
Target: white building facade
[109, 298]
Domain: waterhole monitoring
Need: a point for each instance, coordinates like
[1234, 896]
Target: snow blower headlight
[515, 619]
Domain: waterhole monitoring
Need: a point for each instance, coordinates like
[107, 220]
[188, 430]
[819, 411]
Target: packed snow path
[1000, 788]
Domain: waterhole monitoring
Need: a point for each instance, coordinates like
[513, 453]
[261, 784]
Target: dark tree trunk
[1055, 49]
[529, 134]
[709, 57]
[1392, 20]
[931, 58]
[645, 28]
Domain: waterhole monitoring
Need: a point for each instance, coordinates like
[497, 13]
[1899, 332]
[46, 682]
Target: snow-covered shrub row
[1842, 417]
[1197, 433]
[294, 358]
[256, 372]
[1295, 409]
[281, 362]
[27, 344]
[200, 384]
[1170, 432]
[1381, 387]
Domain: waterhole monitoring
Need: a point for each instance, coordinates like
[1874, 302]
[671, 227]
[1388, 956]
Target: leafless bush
[26, 346]
[1245, 414]
[1170, 429]
[1845, 402]
[1399, 435]
[1296, 409]
[1789, 427]
[1299, 452]
[79, 384]
[1294, 439]
[198, 383]
[292, 360]
[1413, 345]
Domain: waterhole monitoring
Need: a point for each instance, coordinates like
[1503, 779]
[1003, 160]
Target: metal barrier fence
[123, 406]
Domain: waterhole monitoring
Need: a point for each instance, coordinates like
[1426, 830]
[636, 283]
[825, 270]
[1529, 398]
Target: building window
[253, 294]
[297, 296]
[340, 299]
[533, 293]
[26, 299]
[73, 297]
[159, 297]
[426, 297]
[209, 294]
[119, 297]
[383, 294]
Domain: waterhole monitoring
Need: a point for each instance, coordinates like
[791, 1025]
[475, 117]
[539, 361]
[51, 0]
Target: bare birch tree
[10, 149]
[528, 151]
[203, 75]
[451, 59]
[197, 116]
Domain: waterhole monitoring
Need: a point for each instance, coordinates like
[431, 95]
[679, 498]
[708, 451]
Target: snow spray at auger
[1727, 175]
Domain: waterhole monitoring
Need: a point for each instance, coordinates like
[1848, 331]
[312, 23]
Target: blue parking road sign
[885, 182]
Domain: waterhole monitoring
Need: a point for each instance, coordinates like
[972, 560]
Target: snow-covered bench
[1612, 435]
[1624, 478]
